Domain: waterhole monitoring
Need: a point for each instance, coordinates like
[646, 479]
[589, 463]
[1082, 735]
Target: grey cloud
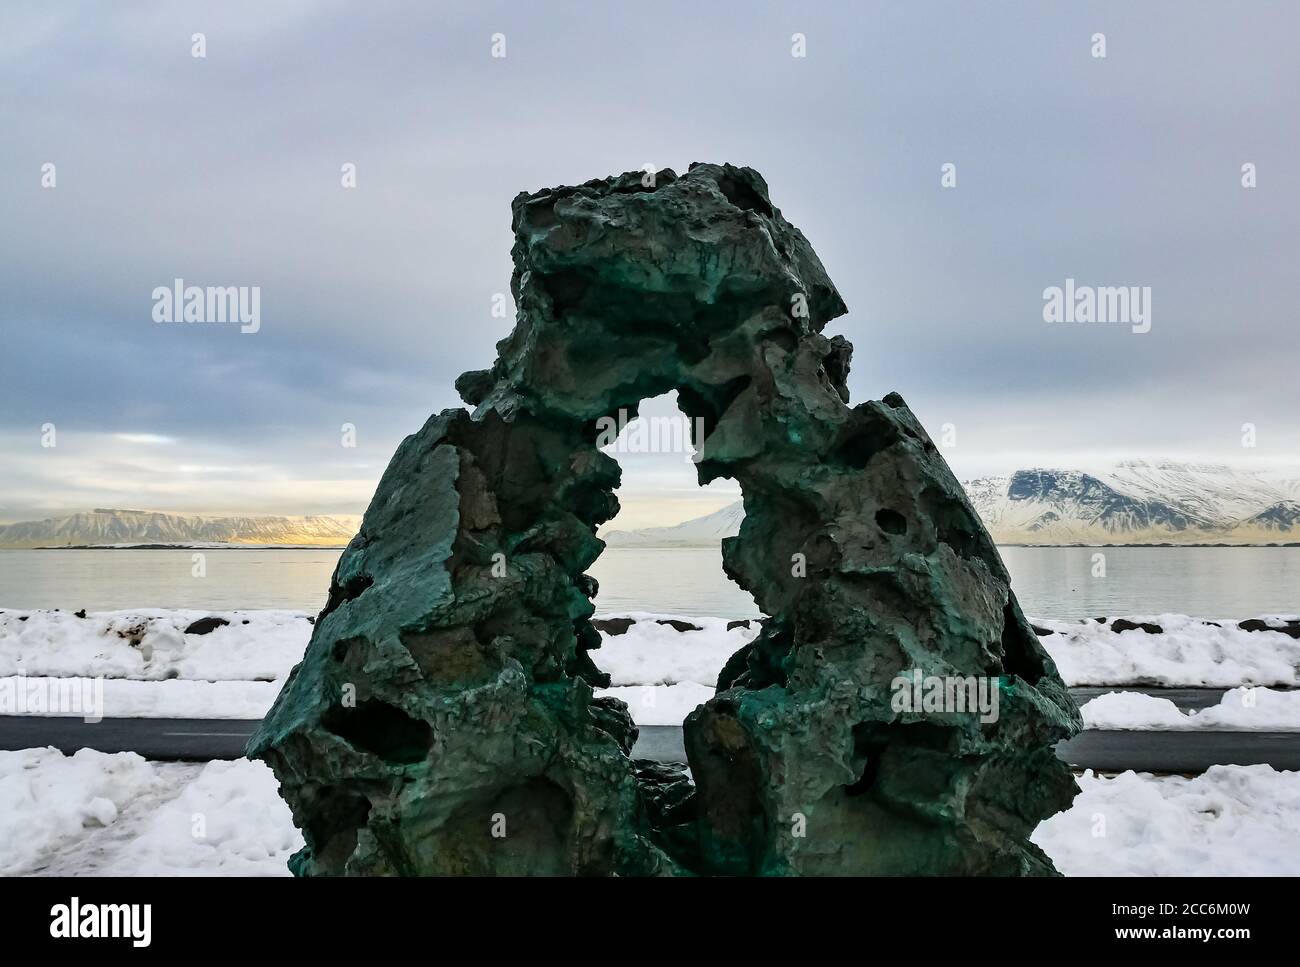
[226, 171]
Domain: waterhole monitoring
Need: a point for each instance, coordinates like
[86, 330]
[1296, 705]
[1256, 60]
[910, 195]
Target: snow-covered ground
[661, 704]
[264, 646]
[1229, 821]
[1249, 708]
[119, 814]
[649, 653]
[1189, 652]
[94, 699]
[152, 668]
[153, 645]
[97, 814]
[663, 673]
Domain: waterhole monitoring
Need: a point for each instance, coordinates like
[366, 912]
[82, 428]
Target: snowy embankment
[93, 699]
[153, 645]
[93, 813]
[153, 663]
[662, 673]
[1228, 821]
[1251, 708]
[197, 664]
[121, 815]
[1173, 650]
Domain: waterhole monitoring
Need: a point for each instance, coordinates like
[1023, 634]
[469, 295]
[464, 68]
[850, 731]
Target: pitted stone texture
[447, 687]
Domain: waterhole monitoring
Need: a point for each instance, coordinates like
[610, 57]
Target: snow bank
[662, 673]
[230, 821]
[265, 645]
[649, 653]
[1132, 710]
[95, 699]
[1255, 708]
[94, 813]
[1188, 652]
[118, 815]
[1230, 821]
[152, 644]
[660, 704]
[47, 798]
[1261, 709]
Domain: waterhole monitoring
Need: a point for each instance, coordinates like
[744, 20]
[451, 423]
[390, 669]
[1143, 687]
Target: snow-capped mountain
[1277, 518]
[103, 527]
[1139, 502]
[1136, 502]
[701, 531]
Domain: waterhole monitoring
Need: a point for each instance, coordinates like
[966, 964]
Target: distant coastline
[182, 547]
[1165, 544]
[613, 547]
[685, 546]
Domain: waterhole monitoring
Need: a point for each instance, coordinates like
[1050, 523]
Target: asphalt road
[1104, 751]
[1183, 751]
[203, 739]
[186, 740]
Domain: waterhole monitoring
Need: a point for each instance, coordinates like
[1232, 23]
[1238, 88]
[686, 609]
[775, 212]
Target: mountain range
[1136, 502]
[109, 527]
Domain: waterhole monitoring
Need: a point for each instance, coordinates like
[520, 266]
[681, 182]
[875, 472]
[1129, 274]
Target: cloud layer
[225, 170]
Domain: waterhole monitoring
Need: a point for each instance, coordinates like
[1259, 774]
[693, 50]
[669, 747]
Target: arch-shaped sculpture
[442, 720]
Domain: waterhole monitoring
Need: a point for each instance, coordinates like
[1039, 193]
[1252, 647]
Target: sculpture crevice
[443, 719]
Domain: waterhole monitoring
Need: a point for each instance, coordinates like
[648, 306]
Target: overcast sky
[226, 170]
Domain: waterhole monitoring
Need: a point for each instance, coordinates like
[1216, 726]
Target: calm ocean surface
[1051, 582]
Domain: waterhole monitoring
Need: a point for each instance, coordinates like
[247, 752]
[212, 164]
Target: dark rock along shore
[442, 720]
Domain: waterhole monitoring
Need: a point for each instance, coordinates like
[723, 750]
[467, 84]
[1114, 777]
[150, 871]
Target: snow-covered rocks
[653, 653]
[662, 673]
[1187, 652]
[153, 644]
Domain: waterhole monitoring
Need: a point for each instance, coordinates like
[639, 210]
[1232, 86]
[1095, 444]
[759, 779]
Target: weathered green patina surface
[443, 721]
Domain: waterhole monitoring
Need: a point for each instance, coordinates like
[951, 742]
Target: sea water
[1051, 582]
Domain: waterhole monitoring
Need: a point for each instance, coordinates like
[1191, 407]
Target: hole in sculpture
[891, 521]
[381, 729]
[664, 556]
